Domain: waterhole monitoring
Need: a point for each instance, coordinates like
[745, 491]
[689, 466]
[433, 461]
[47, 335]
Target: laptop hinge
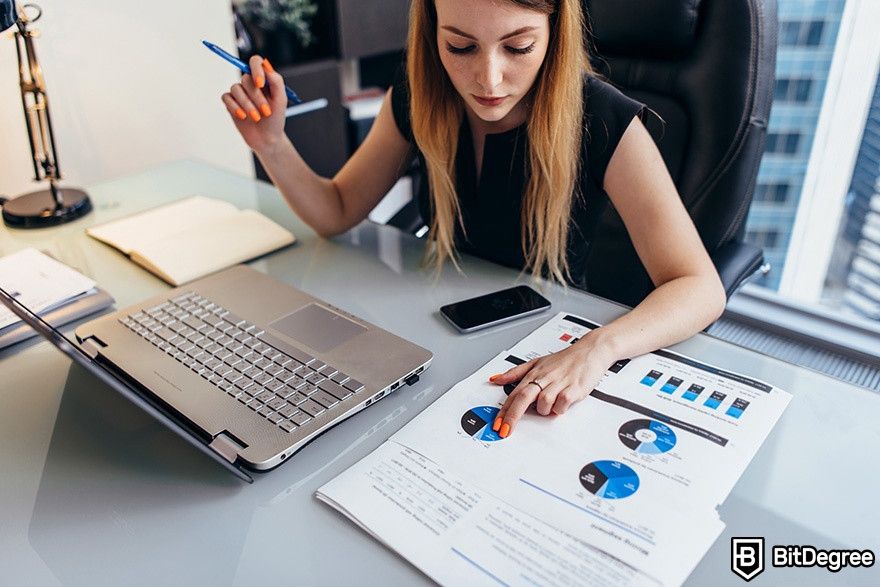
[91, 346]
[226, 446]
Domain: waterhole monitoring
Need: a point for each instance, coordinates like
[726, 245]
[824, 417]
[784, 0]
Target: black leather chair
[707, 68]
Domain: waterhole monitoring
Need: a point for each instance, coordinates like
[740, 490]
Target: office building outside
[807, 35]
[853, 279]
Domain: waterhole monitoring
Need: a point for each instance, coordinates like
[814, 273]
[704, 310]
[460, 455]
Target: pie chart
[647, 436]
[609, 479]
[477, 423]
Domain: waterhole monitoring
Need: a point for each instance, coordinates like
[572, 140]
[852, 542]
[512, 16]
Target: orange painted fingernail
[255, 115]
[496, 376]
[497, 423]
[264, 108]
[505, 430]
[260, 81]
[268, 66]
[239, 113]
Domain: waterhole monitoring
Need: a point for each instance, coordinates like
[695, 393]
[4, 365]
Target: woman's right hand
[257, 105]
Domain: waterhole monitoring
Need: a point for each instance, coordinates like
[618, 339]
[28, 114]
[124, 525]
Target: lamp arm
[35, 104]
[43, 207]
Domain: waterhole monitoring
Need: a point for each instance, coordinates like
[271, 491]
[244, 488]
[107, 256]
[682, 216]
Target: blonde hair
[555, 130]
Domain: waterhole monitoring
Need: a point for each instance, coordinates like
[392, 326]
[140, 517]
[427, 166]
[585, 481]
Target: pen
[241, 65]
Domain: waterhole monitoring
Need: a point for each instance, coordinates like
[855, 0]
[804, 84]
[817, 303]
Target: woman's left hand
[556, 381]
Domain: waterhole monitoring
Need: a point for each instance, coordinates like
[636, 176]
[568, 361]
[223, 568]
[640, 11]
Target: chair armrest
[408, 218]
[736, 262]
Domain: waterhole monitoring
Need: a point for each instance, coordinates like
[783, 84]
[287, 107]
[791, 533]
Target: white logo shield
[747, 557]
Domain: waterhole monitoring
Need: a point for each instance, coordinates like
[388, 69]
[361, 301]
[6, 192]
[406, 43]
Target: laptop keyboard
[287, 388]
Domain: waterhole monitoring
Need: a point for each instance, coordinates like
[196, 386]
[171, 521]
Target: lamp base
[38, 209]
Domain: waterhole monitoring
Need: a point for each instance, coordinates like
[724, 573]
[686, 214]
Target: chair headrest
[660, 28]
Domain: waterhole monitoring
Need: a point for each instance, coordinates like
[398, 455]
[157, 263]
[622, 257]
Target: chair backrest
[707, 69]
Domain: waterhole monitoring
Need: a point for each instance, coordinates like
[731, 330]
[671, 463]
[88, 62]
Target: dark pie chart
[647, 436]
[477, 423]
[609, 479]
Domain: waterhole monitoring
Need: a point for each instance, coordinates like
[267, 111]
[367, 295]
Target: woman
[521, 144]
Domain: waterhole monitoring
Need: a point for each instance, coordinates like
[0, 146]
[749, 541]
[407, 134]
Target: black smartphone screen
[494, 308]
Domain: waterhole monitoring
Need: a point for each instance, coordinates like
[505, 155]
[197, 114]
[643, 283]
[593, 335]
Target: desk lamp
[55, 205]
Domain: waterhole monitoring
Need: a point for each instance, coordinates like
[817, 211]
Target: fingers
[548, 397]
[244, 100]
[241, 97]
[247, 96]
[233, 107]
[275, 83]
[566, 398]
[258, 98]
[514, 374]
[516, 405]
[257, 71]
[553, 383]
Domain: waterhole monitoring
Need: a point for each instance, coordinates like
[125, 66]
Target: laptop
[246, 368]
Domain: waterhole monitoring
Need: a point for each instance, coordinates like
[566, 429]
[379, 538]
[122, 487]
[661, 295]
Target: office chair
[707, 68]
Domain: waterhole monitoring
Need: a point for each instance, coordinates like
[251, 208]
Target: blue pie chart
[647, 436]
[477, 423]
[609, 479]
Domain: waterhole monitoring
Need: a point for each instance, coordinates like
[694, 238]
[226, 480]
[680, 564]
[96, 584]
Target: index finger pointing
[515, 406]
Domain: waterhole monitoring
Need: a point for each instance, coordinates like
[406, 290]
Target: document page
[38, 282]
[694, 423]
[635, 471]
[458, 534]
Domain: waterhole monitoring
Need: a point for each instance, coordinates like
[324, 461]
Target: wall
[129, 85]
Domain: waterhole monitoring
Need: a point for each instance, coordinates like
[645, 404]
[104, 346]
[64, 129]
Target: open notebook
[191, 238]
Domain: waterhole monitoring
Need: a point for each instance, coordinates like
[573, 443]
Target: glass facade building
[807, 35]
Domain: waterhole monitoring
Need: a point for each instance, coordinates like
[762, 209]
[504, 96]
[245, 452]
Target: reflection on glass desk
[94, 492]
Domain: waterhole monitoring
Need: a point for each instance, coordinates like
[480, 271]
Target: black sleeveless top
[491, 208]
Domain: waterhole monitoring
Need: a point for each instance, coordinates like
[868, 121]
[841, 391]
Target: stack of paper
[46, 287]
[621, 490]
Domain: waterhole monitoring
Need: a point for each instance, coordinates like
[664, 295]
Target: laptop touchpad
[317, 327]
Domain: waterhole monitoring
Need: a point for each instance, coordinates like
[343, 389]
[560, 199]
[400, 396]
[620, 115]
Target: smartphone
[495, 308]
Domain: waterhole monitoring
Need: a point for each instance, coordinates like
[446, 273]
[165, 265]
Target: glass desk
[92, 491]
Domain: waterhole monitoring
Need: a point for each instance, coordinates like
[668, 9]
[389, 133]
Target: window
[800, 33]
[814, 33]
[775, 193]
[817, 199]
[766, 239]
[802, 89]
[789, 32]
[783, 143]
[793, 90]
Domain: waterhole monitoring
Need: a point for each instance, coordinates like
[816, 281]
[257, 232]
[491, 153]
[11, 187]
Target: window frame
[795, 307]
[848, 93]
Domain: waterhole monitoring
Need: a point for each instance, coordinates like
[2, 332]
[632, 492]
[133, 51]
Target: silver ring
[541, 387]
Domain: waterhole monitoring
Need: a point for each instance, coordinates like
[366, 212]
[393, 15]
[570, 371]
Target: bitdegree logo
[747, 557]
[810, 556]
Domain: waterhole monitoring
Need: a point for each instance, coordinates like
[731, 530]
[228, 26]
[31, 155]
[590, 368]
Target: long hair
[555, 130]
